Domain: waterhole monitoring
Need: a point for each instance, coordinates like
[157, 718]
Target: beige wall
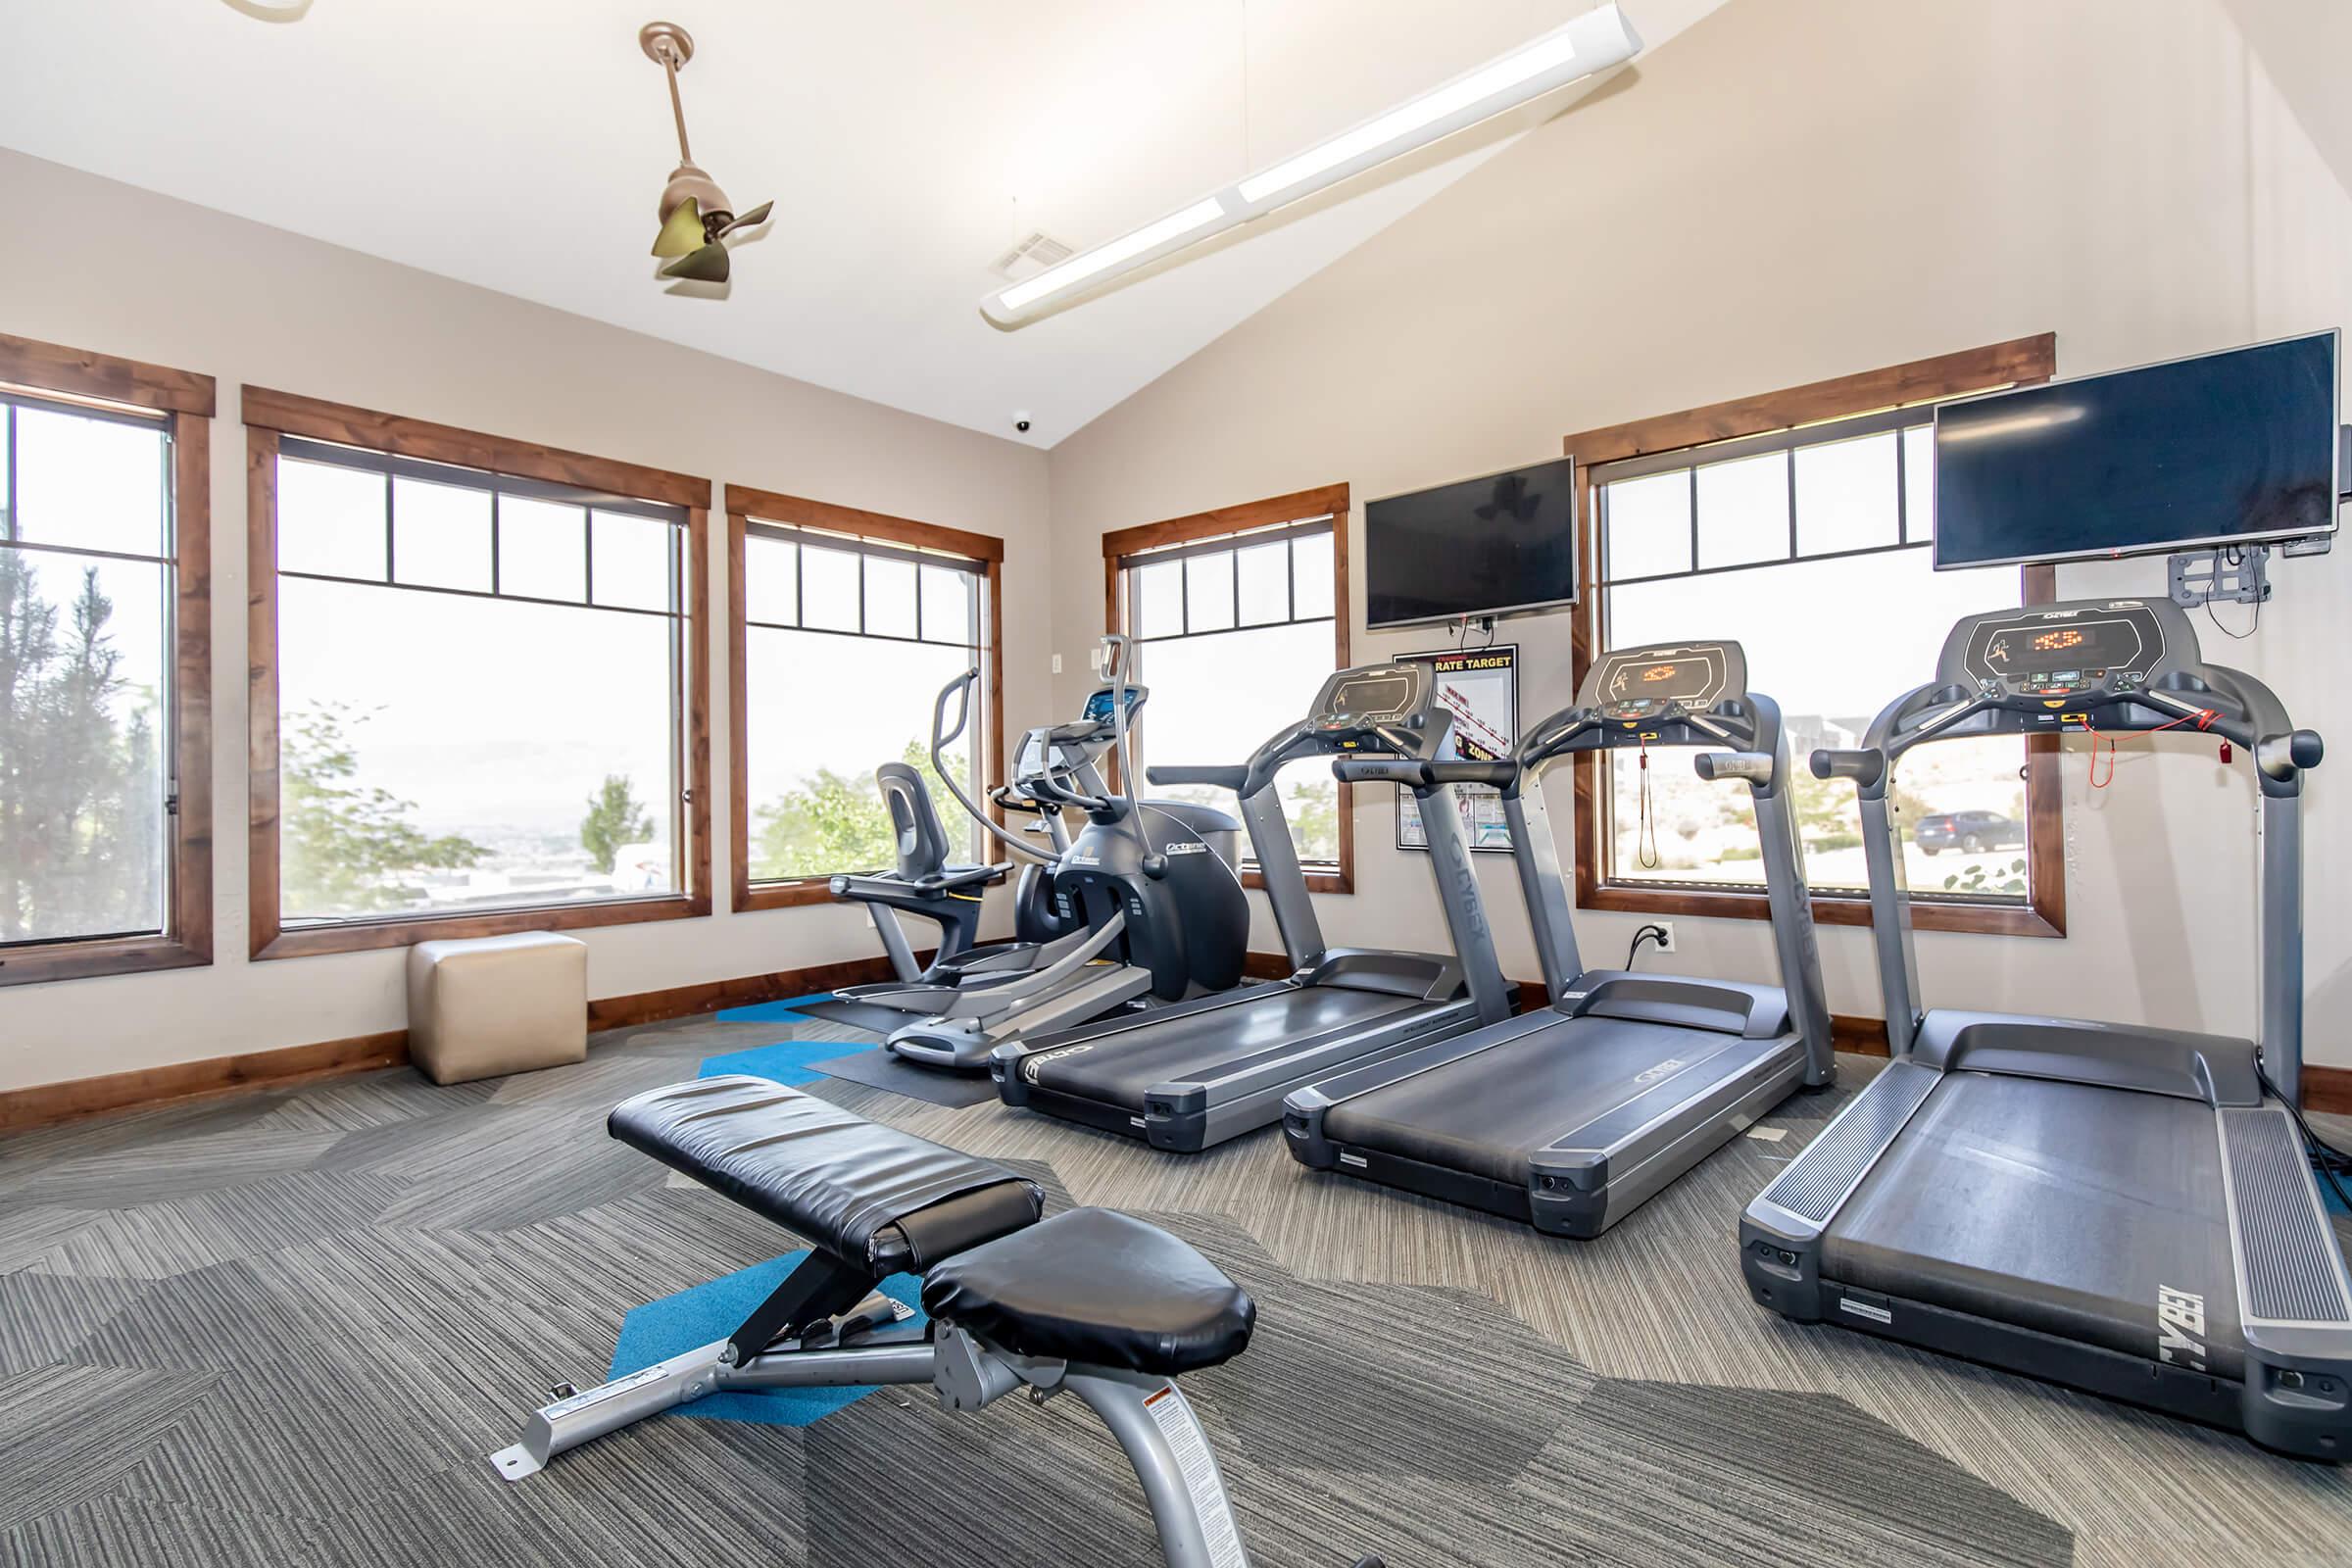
[1792, 190]
[138, 275]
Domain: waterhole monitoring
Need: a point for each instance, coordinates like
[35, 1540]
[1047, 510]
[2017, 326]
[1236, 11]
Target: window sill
[796, 894]
[105, 956]
[1828, 909]
[1335, 880]
[361, 936]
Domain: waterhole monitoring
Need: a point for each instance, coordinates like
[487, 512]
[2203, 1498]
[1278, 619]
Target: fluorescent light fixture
[1593, 42]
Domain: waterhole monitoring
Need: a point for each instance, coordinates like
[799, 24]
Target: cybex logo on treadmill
[1029, 1066]
[1670, 1064]
[2180, 1327]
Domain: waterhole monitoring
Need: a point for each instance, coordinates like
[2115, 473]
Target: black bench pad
[1099, 1287]
[831, 1177]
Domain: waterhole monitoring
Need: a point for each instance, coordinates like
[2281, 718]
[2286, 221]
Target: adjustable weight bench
[1092, 1302]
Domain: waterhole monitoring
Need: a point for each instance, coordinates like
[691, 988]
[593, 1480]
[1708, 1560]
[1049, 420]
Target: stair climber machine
[2121, 1209]
[1190, 1075]
[1177, 927]
[1570, 1118]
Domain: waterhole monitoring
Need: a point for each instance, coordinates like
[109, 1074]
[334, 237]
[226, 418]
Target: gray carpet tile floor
[286, 1329]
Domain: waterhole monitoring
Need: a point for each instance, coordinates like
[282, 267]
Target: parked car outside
[1970, 832]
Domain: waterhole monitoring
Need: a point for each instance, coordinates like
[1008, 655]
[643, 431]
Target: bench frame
[871, 1345]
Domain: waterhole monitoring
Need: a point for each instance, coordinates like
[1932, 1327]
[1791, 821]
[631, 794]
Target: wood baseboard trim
[2324, 1089]
[145, 1088]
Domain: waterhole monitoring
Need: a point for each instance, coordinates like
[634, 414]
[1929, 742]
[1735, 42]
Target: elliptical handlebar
[944, 735]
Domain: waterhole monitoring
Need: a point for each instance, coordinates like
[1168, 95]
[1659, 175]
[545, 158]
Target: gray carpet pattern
[286, 1328]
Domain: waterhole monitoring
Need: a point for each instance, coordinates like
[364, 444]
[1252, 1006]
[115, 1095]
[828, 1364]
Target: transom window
[485, 690]
[1809, 544]
[1236, 614]
[105, 654]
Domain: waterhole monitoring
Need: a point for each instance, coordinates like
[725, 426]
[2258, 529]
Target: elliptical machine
[925, 885]
[1147, 893]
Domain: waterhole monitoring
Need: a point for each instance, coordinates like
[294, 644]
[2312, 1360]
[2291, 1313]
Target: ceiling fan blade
[752, 218]
[682, 231]
[705, 266]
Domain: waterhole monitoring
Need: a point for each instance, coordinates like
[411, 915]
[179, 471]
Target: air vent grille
[1031, 257]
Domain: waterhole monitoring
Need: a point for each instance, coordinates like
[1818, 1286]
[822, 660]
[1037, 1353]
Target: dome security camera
[1020, 423]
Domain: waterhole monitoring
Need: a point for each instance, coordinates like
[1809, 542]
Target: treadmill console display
[1632, 684]
[2067, 652]
[1390, 696]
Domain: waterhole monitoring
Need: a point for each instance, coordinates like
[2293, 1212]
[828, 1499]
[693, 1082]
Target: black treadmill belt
[1119, 1068]
[1485, 1113]
[2063, 1208]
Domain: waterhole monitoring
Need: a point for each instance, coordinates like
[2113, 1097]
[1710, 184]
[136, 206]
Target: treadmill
[2120, 1209]
[1569, 1118]
[1191, 1074]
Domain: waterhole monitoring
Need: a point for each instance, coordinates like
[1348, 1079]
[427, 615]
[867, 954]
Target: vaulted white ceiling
[907, 143]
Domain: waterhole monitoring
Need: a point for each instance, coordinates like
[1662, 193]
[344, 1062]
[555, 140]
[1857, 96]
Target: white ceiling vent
[1029, 256]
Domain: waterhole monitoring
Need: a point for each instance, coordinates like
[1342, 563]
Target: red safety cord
[1645, 836]
[2203, 718]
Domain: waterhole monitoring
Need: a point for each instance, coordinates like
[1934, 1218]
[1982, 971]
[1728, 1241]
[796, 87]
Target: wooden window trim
[743, 505]
[186, 400]
[1331, 499]
[267, 416]
[2021, 361]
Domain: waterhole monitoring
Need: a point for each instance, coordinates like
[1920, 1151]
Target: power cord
[2325, 1157]
[1648, 933]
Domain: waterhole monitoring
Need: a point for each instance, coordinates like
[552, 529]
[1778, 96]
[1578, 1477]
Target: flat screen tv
[2231, 448]
[1500, 544]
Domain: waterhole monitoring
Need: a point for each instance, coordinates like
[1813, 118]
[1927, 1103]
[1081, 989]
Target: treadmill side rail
[1779, 1234]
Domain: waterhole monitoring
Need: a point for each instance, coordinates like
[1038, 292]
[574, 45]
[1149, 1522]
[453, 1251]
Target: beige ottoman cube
[487, 1006]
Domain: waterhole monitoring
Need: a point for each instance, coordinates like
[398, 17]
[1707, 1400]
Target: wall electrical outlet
[1056, 663]
[1667, 945]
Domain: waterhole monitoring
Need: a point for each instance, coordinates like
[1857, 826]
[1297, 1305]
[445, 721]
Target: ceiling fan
[695, 214]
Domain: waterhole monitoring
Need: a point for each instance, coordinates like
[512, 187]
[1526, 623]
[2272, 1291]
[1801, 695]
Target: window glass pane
[1830, 679]
[1264, 574]
[1744, 511]
[1209, 592]
[1215, 698]
[771, 578]
[811, 748]
[1156, 594]
[513, 754]
[330, 520]
[1649, 525]
[440, 535]
[633, 558]
[1919, 483]
[889, 597]
[828, 588]
[1960, 808]
[542, 549]
[1312, 572]
[951, 606]
[83, 730]
[96, 484]
[1845, 496]
[7, 526]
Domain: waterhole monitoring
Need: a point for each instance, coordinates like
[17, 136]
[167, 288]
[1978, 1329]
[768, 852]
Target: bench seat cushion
[832, 1178]
[1098, 1286]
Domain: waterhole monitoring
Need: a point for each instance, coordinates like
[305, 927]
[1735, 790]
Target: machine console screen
[1640, 683]
[1375, 697]
[2071, 657]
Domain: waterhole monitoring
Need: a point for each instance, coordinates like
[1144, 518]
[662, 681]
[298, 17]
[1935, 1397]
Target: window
[105, 655]
[1236, 615]
[1807, 542]
[847, 624]
[486, 690]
